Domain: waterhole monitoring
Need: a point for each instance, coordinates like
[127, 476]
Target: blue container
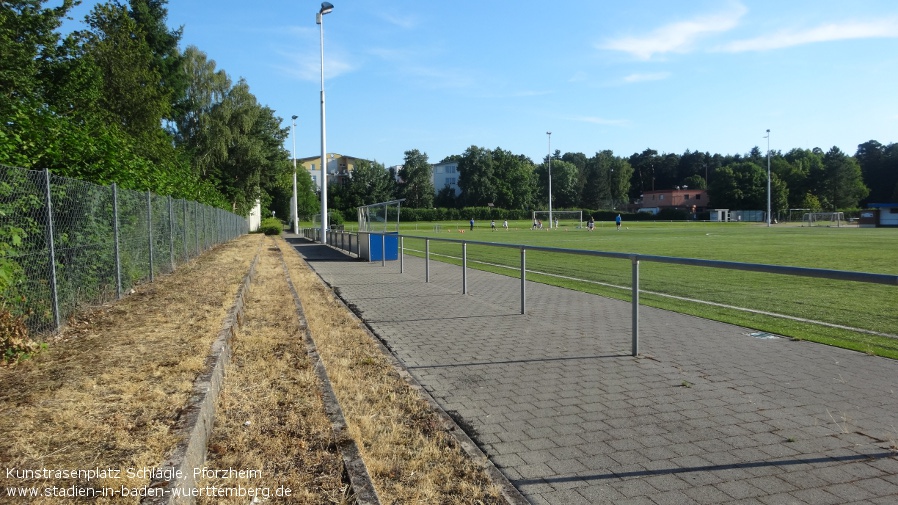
[380, 242]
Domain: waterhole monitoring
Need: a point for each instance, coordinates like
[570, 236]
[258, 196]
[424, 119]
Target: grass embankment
[270, 416]
[844, 307]
[106, 393]
[411, 458]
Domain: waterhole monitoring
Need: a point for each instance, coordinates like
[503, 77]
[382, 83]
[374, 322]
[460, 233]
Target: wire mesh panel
[66, 244]
[24, 223]
[83, 243]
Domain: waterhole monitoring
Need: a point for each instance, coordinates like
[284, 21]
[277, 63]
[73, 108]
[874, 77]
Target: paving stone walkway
[705, 414]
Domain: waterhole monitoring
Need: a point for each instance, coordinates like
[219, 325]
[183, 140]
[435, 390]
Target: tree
[740, 186]
[132, 93]
[370, 183]
[476, 177]
[416, 185]
[565, 187]
[843, 184]
[514, 176]
[879, 166]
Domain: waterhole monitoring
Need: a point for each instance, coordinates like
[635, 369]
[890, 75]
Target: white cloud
[406, 22]
[599, 120]
[824, 33]
[679, 37]
[658, 76]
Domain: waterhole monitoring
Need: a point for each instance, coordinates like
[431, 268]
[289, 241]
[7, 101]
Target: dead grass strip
[195, 422]
[362, 487]
[270, 417]
[409, 454]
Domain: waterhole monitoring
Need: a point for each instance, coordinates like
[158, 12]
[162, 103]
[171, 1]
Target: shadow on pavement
[313, 251]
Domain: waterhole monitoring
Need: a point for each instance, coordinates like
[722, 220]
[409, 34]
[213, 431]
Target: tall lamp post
[294, 206]
[326, 8]
[768, 176]
[549, 160]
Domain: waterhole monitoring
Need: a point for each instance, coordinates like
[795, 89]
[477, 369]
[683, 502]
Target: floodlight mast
[294, 207]
[768, 176]
[549, 161]
[326, 8]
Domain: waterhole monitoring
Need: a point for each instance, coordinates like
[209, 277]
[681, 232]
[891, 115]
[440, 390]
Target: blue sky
[440, 76]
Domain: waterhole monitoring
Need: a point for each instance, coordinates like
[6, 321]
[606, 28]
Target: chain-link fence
[66, 244]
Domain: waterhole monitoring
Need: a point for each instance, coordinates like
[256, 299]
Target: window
[686, 197]
[660, 197]
[698, 197]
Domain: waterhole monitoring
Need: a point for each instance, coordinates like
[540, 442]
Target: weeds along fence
[66, 244]
[855, 309]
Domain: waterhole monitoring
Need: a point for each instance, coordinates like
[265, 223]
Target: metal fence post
[196, 229]
[635, 296]
[184, 231]
[464, 268]
[54, 293]
[171, 234]
[383, 250]
[427, 260]
[150, 230]
[115, 239]
[523, 280]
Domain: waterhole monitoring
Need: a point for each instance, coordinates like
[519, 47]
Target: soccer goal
[833, 219]
[565, 218]
[380, 217]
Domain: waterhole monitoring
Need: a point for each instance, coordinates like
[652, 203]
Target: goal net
[565, 218]
[380, 217]
[823, 219]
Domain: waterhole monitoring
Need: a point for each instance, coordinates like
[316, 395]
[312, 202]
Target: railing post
[401, 254]
[523, 280]
[464, 268]
[427, 260]
[115, 239]
[635, 297]
[54, 293]
[383, 249]
[150, 230]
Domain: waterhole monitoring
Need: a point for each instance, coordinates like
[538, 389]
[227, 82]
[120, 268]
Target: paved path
[706, 413]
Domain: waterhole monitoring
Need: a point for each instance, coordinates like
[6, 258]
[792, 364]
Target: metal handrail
[635, 258]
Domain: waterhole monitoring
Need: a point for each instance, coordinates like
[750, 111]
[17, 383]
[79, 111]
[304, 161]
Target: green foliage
[271, 226]
[416, 186]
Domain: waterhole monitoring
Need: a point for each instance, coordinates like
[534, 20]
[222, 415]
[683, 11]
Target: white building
[445, 174]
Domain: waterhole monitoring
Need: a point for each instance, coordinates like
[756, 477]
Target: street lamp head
[548, 133]
[768, 130]
[326, 8]
[294, 117]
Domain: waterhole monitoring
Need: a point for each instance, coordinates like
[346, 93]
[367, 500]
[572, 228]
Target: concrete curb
[195, 422]
[360, 480]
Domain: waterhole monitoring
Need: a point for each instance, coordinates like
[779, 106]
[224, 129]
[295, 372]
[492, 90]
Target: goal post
[831, 219]
[379, 217]
[568, 218]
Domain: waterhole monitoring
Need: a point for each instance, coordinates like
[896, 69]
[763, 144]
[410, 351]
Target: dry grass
[270, 415]
[410, 457]
[105, 394]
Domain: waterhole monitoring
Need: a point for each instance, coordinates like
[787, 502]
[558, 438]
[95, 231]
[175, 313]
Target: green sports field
[854, 315]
